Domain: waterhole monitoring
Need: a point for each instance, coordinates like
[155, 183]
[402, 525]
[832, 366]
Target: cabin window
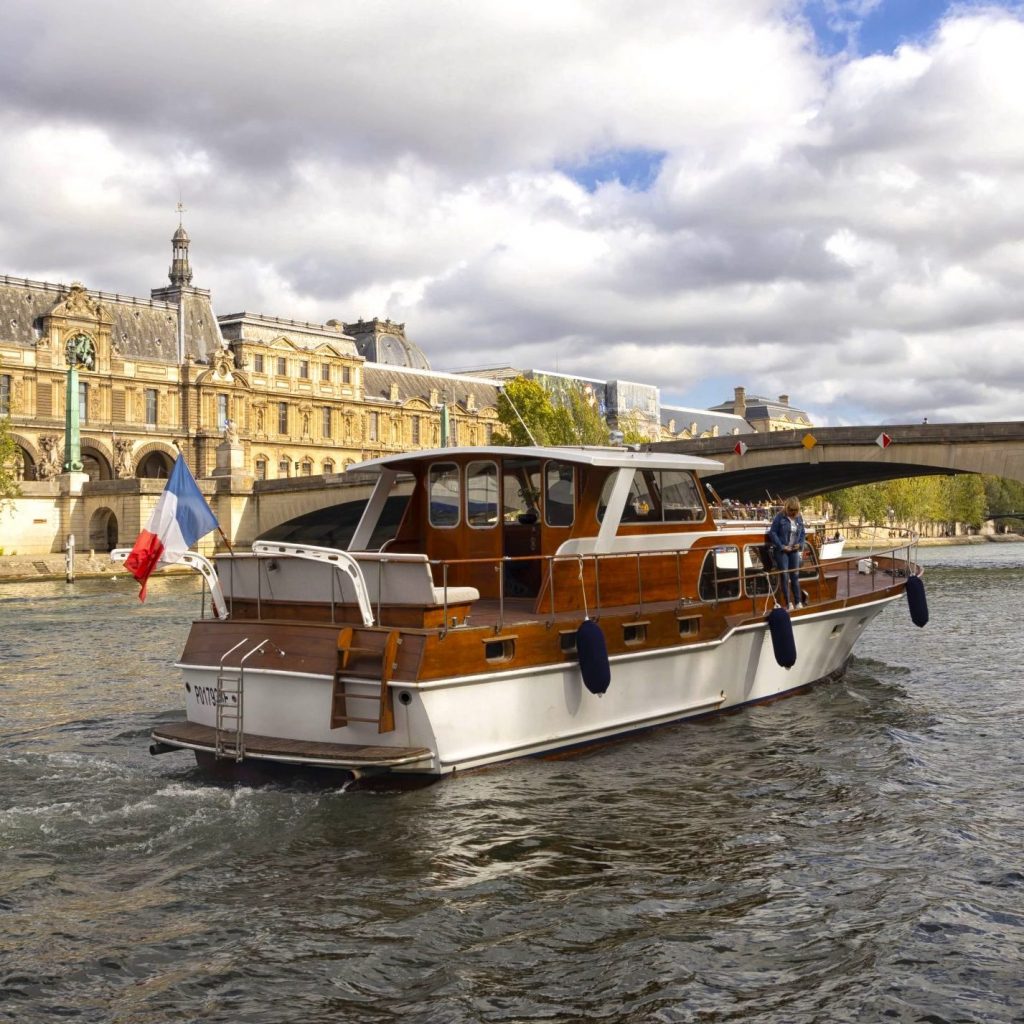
[521, 491]
[680, 497]
[657, 495]
[443, 489]
[482, 494]
[719, 575]
[559, 494]
[640, 505]
[755, 570]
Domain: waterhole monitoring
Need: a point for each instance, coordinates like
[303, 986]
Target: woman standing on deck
[786, 536]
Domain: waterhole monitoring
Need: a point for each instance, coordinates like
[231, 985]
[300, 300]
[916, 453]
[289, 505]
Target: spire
[180, 272]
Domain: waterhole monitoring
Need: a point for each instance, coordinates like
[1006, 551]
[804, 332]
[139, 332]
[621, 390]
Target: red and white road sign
[740, 449]
[883, 440]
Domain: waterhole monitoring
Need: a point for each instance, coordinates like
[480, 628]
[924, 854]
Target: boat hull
[467, 722]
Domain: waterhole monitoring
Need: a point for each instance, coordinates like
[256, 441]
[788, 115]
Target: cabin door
[521, 526]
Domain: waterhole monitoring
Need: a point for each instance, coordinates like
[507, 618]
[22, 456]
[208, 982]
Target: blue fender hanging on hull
[781, 628]
[593, 654]
[917, 602]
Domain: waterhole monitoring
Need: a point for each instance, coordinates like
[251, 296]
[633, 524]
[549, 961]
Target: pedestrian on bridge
[786, 536]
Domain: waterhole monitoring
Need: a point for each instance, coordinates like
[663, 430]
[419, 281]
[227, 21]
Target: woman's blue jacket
[778, 532]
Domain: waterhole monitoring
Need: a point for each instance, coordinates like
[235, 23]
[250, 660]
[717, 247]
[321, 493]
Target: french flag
[180, 518]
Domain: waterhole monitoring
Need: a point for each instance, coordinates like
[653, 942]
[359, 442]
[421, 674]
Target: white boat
[519, 584]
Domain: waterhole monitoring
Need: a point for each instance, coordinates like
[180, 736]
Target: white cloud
[845, 232]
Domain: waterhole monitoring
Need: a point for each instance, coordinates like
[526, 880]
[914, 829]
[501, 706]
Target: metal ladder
[229, 740]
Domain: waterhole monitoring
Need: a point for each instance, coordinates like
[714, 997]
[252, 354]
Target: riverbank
[19, 568]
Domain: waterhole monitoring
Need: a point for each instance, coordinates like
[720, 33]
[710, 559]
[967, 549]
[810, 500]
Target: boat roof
[614, 458]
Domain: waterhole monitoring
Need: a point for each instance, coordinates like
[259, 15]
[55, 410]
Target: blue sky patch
[636, 169]
[838, 26]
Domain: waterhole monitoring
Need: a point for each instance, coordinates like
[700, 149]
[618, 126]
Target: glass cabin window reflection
[482, 494]
[444, 494]
[559, 494]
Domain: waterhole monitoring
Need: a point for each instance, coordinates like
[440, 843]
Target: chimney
[783, 399]
[740, 402]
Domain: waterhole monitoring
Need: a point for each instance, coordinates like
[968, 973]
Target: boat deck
[192, 736]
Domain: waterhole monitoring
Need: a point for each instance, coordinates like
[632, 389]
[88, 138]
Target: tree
[8, 452]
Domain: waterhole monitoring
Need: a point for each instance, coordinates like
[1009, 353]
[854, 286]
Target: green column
[72, 437]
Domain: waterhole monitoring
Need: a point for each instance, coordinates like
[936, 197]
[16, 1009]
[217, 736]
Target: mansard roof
[142, 329]
[259, 328]
[705, 420]
[453, 388]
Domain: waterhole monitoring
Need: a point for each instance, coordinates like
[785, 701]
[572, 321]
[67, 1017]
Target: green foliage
[566, 419]
[963, 498]
[8, 451]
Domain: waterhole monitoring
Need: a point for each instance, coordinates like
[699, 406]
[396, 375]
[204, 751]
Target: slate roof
[456, 388]
[142, 328]
[705, 419]
[759, 408]
[381, 341]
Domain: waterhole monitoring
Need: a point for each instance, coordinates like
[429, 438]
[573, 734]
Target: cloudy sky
[823, 198]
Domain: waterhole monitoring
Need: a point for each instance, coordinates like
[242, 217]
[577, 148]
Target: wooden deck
[193, 736]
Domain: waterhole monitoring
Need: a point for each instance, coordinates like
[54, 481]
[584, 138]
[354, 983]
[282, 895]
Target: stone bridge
[809, 462]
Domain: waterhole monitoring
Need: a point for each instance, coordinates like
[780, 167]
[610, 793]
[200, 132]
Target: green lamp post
[79, 351]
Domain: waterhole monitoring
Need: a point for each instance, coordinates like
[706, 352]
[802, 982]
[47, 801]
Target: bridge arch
[784, 462]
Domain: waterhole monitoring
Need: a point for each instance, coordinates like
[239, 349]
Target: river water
[852, 853]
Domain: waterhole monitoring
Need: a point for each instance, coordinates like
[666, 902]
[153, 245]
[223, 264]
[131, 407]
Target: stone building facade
[765, 414]
[293, 398]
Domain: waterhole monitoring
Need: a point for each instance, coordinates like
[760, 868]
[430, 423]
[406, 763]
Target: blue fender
[917, 602]
[593, 654]
[781, 628]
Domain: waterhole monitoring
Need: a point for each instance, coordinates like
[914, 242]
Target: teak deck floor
[204, 737]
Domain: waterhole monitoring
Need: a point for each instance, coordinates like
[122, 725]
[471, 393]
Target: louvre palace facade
[167, 373]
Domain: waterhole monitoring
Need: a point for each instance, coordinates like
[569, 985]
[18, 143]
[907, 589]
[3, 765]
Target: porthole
[567, 641]
[634, 633]
[405, 697]
[500, 649]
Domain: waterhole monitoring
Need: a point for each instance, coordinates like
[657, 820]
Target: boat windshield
[657, 495]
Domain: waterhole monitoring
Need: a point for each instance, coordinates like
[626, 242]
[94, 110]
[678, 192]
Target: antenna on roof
[501, 388]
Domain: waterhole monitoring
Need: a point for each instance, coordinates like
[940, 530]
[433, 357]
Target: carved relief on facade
[50, 463]
[124, 467]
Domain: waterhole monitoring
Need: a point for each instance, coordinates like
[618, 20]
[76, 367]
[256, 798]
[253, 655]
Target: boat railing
[201, 565]
[338, 560]
[880, 569]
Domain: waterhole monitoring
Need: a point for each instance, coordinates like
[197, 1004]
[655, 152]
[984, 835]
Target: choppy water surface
[855, 853]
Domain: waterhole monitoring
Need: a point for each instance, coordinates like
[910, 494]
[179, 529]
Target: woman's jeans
[789, 563]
